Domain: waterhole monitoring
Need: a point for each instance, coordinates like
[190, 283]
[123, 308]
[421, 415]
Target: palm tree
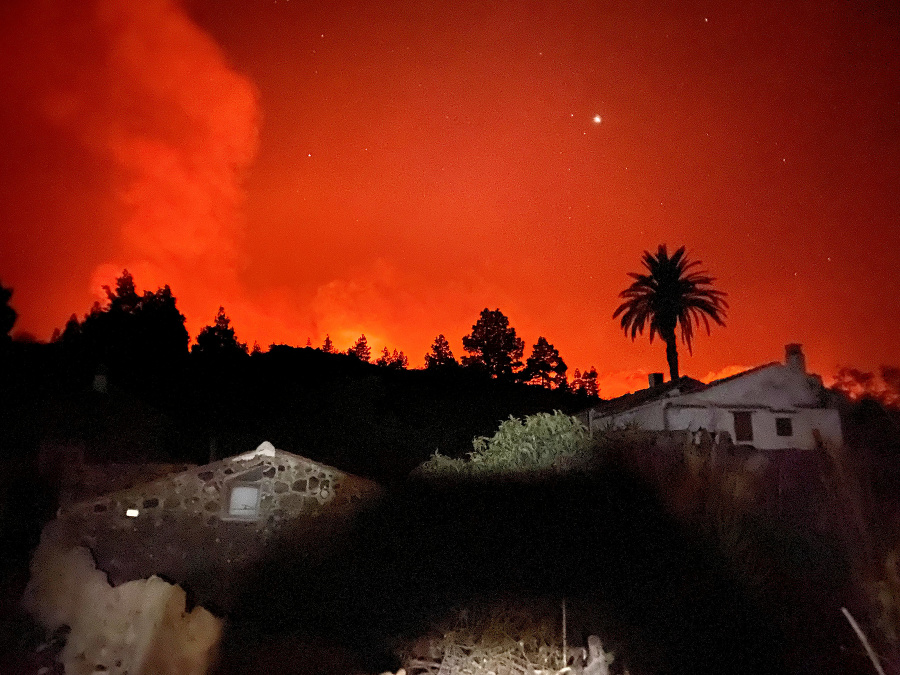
[670, 295]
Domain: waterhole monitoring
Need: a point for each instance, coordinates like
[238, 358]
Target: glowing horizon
[393, 170]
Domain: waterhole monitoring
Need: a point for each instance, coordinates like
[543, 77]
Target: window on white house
[743, 426]
[783, 426]
[244, 501]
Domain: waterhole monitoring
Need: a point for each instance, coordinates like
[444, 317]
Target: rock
[140, 627]
[598, 661]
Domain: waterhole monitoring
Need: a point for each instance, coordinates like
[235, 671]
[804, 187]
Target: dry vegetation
[504, 639]
[792, 558]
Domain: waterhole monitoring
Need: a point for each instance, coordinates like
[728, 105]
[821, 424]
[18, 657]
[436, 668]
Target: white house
[771, 407]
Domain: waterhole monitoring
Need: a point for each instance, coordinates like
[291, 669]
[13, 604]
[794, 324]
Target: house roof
[683, 385]
[723, 380]
[265, 451]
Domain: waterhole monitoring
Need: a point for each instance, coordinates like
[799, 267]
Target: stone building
[201, 526]
[203, 529]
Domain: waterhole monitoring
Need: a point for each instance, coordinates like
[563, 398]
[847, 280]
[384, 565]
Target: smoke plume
[146, 92]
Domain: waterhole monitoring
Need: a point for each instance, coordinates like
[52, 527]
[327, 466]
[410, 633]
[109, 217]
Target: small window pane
[743, 426]
[243, 502]
[783, 426]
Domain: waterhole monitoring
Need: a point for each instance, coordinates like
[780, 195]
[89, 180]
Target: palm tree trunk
[671, 354]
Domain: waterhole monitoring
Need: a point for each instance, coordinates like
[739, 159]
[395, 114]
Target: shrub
[534, 444]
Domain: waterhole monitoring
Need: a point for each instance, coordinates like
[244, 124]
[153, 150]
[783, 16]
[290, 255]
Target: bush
[536, 443]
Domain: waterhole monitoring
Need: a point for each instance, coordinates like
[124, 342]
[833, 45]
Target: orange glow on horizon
[391, 170]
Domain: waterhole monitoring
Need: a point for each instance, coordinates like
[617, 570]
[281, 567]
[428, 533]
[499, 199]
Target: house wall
[772, 392]
[803, 421]
[650, 416]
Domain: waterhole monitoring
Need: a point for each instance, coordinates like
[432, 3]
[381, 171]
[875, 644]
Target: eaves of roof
[723, 380]
[684, 385]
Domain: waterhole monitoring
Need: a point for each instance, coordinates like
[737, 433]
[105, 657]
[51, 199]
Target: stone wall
[180, 527]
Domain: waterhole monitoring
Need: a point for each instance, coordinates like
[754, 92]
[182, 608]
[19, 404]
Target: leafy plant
[441, 465]
[536, 443]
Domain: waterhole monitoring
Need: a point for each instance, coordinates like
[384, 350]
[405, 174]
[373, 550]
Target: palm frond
[674, 293]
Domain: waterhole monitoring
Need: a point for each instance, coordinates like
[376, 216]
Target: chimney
[794, 358]
[656, 379]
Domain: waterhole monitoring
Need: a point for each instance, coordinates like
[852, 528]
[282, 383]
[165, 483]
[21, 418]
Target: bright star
[597, 119]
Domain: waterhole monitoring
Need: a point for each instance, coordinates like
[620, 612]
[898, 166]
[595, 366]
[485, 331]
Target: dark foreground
[654, 592]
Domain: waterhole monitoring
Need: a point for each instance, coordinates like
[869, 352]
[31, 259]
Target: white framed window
[243, 502]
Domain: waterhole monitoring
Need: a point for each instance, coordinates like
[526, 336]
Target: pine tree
[219, 338]
[361, 349]
[545, 366]
[125, 297]
[577, 383]
[141, 339]
[399, 360]
[493, 345]
[440, 354]
[328, 345]
[392, 360]
[589, 382]
[384, 359]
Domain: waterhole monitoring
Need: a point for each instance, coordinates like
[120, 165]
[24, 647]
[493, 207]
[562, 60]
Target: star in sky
[597, 119]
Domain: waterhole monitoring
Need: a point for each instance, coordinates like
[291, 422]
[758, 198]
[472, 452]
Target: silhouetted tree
[399, 360]
[384, 359]
[392, 360]
[219, 340]
[585, 383]
[161, 325]
[440, 354]
[545, 366]
[140, 338]
[8, 315]
[328, 345]
[669, 296]
[493, 345]
[125, 297]
[361, 349]
[71, 334]
[76, 362]
[589, 382]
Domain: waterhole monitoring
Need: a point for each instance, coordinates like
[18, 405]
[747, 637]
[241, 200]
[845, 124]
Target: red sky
[395, 167]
